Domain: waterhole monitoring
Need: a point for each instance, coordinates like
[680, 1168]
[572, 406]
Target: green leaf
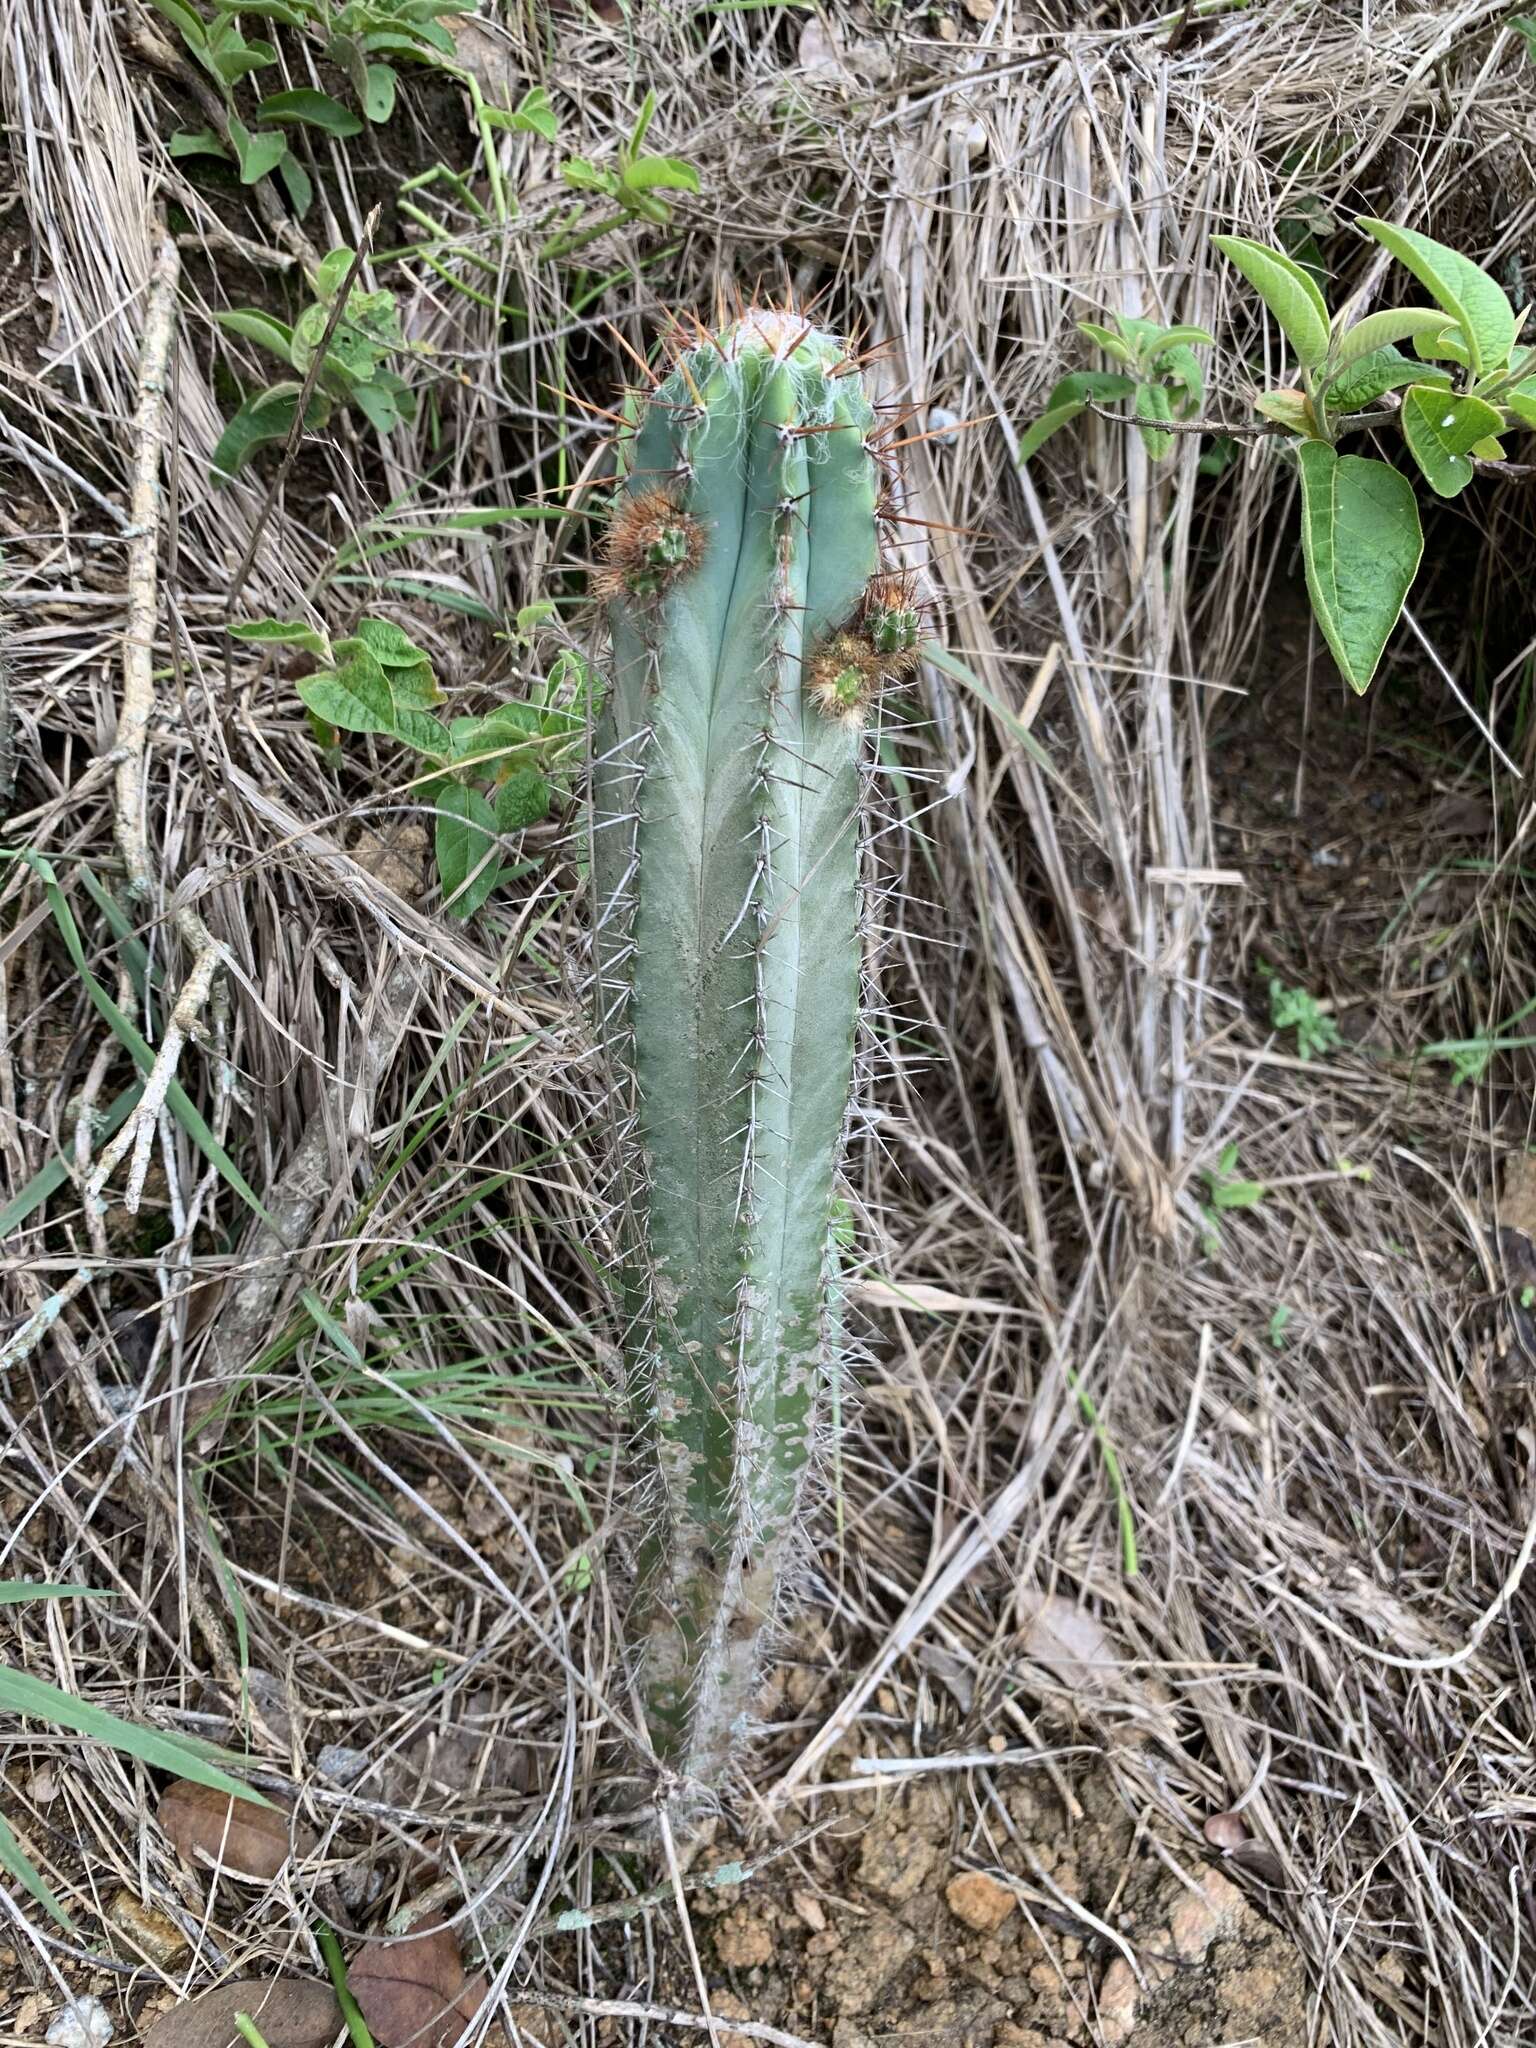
[1288, 409]
[297, 184]
[1489, 449]
[1181, 367]
[346, 52]
[1379, 330]
[236, 60]
[536, 110]
[1179, 337]
[182, 1755]
[1522, 402]
[289, 15]
[420, 730]
[1114, 346]
[379, 99]
[1468, 294]
[1371, 377]
[258, 154]
[583, 176]
[13, 1592]
[15, 1861]
[522, 800]
[1153, 404]
[1361, 542]
[266, 418]
[309, 109]
[1287, 290]
[1237, 1194]
[1448, 346]
[1067, 400]
[198, 142]
[185, 20]
[280, 633]
[379, 407]
[331, 272]
[466, 842]
[1441, 429]
[261, 328]
[355, 697]
[387, 643]
[661, 173]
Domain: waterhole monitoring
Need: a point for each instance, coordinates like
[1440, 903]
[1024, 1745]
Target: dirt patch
[1077, 1928]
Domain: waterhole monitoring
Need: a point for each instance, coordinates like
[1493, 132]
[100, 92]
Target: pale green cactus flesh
[746, 541]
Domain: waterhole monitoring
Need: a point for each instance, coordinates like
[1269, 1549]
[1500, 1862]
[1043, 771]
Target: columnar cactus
[753, 618]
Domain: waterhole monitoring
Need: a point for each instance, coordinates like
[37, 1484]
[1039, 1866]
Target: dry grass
[1330, 1624]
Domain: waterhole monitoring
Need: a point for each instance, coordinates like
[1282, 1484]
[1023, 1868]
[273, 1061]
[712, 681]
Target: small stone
[43, 1785]
[147, 1931]
[997, 1744]
[83, 2023]
[979, 1900]
[1226, 1830]
[340, 1764]
[809, 1908]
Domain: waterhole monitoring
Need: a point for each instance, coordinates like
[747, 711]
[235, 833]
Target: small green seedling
[485, 777]
[1158, 371]
[1294, 1009]
[633, 187]
[364, 342]
[1225, 1190]
[1278, 1323]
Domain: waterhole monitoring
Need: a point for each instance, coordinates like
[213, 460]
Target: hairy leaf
[354, 698]
[1068, 399]
[1287, 290]
[1361, 543]
[1379, 330]
[1441, 430]
[259, 327]
[1468, 294]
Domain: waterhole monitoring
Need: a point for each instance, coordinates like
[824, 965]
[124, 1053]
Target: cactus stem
[752, 625]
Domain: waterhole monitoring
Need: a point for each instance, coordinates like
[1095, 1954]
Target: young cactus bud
[753, 620]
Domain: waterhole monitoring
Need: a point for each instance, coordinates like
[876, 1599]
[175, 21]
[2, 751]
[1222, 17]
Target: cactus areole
[753, 620]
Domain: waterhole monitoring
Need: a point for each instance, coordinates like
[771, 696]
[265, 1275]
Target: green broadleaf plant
[364, 342]
[485, 777]
[1465, 385]
[1159, 373]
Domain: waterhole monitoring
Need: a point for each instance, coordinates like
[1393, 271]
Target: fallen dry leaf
[246, 1841]
[412, 1992]
[290, 2012]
